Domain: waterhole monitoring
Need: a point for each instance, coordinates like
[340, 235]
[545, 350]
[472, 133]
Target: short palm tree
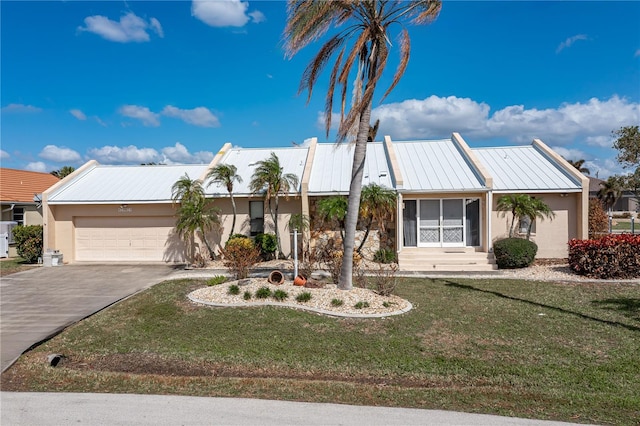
[377, 203]
[366, 24]
[225, 175]
[194, 213]
[334, 210]
[268, 177]
[373, 131]
[517, 204]
[536, 208]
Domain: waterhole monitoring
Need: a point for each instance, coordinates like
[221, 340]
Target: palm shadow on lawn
[628, 306]
[632, 305]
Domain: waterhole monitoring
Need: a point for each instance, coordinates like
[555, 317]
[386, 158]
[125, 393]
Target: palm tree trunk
[279, 253]
[206, 243]
[366, 234]
[233, 207]
[353, 206]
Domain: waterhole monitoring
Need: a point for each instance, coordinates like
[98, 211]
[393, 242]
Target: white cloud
[4, 154]
[59, 154]
[570, 153]
[148, 118]
[199, 116]
[435, 117]
[100, 122]
[257, 17]
[568, 42]
[20, 108]
[637, 54]
[78, 114]
[36, 166]
[129, 28]
[126, 155]
[227, 13]
[180, 154]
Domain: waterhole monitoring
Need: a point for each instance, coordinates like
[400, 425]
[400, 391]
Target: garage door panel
[127, 239]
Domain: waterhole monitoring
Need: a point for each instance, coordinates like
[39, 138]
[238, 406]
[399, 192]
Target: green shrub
[217, 280]
[28, 241]
[263, 292]
[303, 297]
[235, 236]
[612, 256]
[361, 305]
[384, 255]
[512, 253]
[337, 302]
[280, 295]
[267, 244]
[233, 290]
[240, 254]
[388, 304]
[247, 295]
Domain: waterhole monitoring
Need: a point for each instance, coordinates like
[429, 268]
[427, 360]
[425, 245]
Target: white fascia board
[445, 191]
[110, 202]
[536, 191]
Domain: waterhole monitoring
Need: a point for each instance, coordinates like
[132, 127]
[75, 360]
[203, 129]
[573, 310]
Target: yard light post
[295, 252]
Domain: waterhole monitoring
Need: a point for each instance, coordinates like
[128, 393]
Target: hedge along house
[446, 216]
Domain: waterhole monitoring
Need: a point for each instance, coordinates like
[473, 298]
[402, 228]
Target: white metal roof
[124, 184]
[291, 159]
[332, 164]
[525, 168]
[435, 165]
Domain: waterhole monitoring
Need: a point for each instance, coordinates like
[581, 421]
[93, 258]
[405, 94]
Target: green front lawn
[13, 265]
[529, 349]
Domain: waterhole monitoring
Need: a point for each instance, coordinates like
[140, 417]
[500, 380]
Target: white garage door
[112, 239]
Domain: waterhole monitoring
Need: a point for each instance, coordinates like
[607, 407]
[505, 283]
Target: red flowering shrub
[613, 256]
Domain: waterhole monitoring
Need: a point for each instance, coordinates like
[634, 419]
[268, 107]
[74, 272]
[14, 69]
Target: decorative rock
[244, 282]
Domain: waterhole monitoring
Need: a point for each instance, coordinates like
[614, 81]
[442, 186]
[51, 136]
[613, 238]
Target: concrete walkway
[39, 303]
[115, 409]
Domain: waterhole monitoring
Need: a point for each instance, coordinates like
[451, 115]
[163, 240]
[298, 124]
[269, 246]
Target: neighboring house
[20, 193]
[627, 203]
[446, 216]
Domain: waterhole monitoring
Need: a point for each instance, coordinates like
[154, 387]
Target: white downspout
[489, 217]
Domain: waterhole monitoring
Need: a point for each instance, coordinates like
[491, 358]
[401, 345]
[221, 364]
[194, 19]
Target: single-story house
[20, 202]
[628, 202]
[446, 216]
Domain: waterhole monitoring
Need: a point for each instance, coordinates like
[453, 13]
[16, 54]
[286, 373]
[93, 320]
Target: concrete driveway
[39, 303]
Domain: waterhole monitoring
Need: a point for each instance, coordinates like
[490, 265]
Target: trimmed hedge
[267, 244]
[513, 253]
[28, 241]
[612, 256]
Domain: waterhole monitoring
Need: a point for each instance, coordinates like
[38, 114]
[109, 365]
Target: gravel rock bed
[379, 306]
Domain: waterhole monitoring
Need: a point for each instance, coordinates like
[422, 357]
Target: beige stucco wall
[551, 236]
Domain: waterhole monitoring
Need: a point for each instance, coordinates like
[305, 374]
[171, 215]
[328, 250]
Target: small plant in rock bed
[337, 302]
[361, 305]
[280, 295]
[388, 304]
[263, 292]
[233, 290]
[218, 279]
[247, 295]
[303, 297]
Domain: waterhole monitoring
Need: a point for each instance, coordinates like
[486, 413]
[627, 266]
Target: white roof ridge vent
[383, 173]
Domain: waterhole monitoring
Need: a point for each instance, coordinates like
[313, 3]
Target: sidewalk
[122, 409]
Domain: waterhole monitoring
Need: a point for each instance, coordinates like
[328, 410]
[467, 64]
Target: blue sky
[143, 81]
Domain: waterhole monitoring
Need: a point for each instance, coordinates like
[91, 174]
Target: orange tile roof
[22, 185]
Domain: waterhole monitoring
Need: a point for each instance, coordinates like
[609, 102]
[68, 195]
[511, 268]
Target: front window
[18, 215]
[256, 215]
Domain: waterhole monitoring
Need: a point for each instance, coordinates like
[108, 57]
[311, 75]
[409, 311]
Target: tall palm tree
[225, 175]
[194, 212]
[268, 177]
[517, 204]
[536, 208]
[63, 172]
[367, 29]
[610, 191]
[579, 166]
[377, 203]
[373, 131]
